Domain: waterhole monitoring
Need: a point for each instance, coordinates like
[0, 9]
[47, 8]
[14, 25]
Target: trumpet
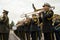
[30, 13]
[37, 11]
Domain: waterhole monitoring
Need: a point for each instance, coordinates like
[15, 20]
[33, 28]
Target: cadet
[34, 27]
[4, 26]
[17, 30]
[46, 16]
[57, 28]
[20, 30]
[27, 28]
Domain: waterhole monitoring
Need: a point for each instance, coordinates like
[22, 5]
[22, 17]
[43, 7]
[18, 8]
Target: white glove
[14, 27]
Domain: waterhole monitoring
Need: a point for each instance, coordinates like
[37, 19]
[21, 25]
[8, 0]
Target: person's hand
[41, 24]
[14, 27]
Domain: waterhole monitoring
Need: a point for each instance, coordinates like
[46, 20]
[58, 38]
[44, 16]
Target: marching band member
[27, 28]
[57, 28]
[34, 27]
[4, 26]
[20, 30]
[46, 16]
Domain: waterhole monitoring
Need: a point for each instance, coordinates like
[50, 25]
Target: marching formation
[32, 28]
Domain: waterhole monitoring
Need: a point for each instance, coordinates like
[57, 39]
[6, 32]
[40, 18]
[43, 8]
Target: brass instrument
[37, 11]
[19, 23]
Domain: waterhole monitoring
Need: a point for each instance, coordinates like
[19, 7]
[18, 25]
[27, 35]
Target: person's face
[46, 8]
[27, 19]
[33, 17]
[4, 14]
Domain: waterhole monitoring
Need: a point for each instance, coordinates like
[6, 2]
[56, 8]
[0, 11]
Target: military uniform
[27, 30]
[57, 29]
[34, 28]
[20, 32]
[46, 16]
[4, 27]
[47, 24]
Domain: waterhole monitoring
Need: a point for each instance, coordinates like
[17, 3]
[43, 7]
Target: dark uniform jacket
[27, 27]
[56, 25]
[34, 25]
[47, 21]
[21, 28]
[4, 25]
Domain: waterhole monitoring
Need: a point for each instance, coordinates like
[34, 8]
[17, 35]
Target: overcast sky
[18, 7]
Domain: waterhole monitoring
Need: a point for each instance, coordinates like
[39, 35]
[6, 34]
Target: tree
[12, 24]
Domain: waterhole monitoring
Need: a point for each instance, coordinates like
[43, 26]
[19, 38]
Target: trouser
[57, 35]
[4, 36]
[17, 32]
[22, 35]
[34, 35]
[28, 35]
[39, 34]
[48, 36]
